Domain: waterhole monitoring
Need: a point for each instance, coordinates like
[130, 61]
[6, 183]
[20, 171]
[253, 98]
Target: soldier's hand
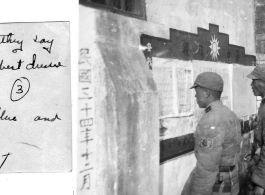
[258, 190]
[253, 123]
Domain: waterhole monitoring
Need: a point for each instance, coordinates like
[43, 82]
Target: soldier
[217, 142]
[257, 164]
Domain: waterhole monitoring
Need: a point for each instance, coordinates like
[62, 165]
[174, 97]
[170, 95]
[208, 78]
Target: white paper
[184, 80]
[163, 76]
[35, 96]
[173, 80]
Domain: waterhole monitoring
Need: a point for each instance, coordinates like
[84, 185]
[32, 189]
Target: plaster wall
[260, 31]
[174, 173]
[126, 125]
[127, 140]
[234, 17]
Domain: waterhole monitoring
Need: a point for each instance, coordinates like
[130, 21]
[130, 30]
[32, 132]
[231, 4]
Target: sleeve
[208, 156]
[258, 176]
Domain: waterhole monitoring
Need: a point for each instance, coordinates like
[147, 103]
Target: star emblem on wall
[214, 48]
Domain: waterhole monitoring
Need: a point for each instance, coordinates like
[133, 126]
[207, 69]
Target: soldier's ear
[260, 86]
[207, 92]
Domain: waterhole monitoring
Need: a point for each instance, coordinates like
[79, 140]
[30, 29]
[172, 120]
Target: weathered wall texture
[234, 17]
[260, 31]
[126, 98]
[126, 121]
[126, 134]
[173, 174]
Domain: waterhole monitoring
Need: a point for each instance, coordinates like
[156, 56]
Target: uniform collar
[262, 101]
[214, 104]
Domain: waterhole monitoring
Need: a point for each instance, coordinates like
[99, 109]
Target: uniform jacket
[258, 176]
[217, 143]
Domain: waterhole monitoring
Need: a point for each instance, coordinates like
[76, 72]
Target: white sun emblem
[214, 48]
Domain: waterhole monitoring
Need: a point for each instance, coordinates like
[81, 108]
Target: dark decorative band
[174, 147]
[207, 45]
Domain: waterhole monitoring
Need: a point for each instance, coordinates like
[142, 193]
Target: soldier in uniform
[217, 142]
[257, 164]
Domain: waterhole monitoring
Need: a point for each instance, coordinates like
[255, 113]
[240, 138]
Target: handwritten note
[35, 97]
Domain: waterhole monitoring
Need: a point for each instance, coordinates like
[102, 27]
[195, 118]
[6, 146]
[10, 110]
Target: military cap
[209, 80]
[257, 73]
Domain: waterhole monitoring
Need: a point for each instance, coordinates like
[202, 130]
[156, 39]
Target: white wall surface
[174, 174]
[234, 17]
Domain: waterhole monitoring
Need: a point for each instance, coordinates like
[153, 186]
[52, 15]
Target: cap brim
[193, 86]
[251, 76]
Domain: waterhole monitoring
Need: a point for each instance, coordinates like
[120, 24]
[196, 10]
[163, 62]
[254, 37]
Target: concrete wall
[260, 31]
[125, 137]
[234, 17]
[126, 100]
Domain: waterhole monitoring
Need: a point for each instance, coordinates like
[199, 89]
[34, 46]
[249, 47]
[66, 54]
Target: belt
[226, 173]
[225, 180]
[226, 168]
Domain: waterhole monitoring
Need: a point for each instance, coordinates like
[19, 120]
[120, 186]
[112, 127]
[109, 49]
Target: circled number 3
[19, 89]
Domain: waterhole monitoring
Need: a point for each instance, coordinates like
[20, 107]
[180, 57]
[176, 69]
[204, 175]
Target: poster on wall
[173, 79]
[163, 76]
[35, 96]
[184, 80]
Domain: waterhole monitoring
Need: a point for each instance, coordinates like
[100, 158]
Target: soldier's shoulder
[221, 114]
[213, 116]
[229, 113]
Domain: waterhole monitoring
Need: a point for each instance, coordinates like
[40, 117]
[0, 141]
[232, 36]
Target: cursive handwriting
[6, 117]
[2, 66]
[34, 65]
[6, 155]
[38, 118]
[8, 39]
[44, 41]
